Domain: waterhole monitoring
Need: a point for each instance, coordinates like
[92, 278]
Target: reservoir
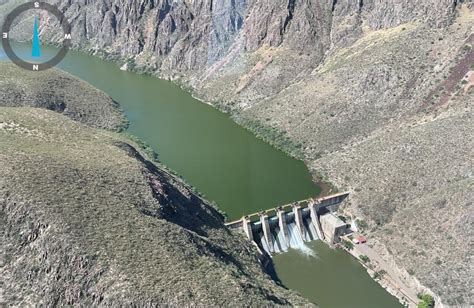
[228, 164]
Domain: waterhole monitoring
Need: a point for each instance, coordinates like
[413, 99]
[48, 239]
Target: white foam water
[306, 250]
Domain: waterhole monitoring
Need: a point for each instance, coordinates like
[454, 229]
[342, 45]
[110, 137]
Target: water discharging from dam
[296, 240]
[231, 166]
[280, 244]
[290, 226]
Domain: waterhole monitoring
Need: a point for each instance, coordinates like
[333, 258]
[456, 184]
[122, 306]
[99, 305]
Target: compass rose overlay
[51, 9]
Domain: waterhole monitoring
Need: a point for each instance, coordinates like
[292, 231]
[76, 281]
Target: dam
[289, 226]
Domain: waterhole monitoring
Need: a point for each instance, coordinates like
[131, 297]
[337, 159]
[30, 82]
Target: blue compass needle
[36, 50]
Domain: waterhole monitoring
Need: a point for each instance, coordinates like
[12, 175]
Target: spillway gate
[278, 229]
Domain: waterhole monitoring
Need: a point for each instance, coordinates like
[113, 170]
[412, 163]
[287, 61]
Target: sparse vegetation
[364, 258]
[151, 154]
[131, 65]
[272, 135]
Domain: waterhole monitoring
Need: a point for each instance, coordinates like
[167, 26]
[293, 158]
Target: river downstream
[228, 164]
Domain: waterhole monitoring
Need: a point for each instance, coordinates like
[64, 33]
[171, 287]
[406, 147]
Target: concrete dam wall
[289, 226]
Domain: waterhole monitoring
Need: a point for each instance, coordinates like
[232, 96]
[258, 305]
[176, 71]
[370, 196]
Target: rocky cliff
[189, 39]
[87, 220]
[378, 93]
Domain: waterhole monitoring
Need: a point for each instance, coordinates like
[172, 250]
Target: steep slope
[373, 90]
[86, 219]
[60, 92]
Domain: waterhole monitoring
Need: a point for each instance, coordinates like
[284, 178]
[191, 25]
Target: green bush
[364, 258]
[379, 274]
[344, 219]
[426, 301]
[131, 65]
[361, 224]
[347, 244]
[151, 154]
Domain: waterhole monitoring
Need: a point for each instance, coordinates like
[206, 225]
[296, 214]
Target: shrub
[273, 135]
[379, 274]
[348, 244]
[364, 258]
[151, 154]
[426, 300]
[131, 64]
[361, 224]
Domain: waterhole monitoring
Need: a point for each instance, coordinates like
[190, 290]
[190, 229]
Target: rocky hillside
[60, 92]
[86, 219]
[378, 93]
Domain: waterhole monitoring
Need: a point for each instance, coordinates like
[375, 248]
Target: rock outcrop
[190, 38]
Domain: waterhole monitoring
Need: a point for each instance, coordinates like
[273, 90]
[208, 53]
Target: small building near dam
[333, 227]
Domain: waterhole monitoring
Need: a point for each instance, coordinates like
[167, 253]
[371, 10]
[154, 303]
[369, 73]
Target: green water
[331, 278]
[230, 166]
